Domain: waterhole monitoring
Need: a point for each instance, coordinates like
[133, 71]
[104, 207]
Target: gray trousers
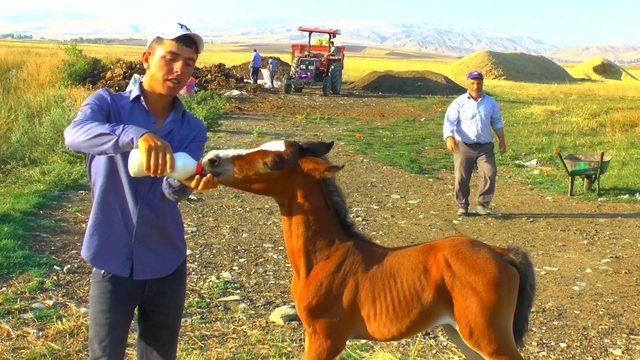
[112, 301]
[465, 159]
[272, 73]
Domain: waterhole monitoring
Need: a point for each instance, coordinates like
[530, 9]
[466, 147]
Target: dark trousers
[112, 301]
[465, 159]
[254, 74]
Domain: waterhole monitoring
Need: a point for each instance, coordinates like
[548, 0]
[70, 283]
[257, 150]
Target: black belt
[477, 144]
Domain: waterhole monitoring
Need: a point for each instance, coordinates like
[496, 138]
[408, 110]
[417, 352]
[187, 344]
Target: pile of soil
[408, 83]
[118, 74]
[217, 77]
[244, 69]
[511, 66]
[600, 68]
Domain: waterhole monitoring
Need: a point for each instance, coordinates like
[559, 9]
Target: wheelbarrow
[589, 167]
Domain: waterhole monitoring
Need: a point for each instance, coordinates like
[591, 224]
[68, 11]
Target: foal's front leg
[322, 347]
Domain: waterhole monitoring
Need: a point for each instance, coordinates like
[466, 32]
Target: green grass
[355, 352]
[572, 123]
[35, 168]
[258, 132]
[46, 315]
[23, 193]
[207, 106]
[10, 304]
[78, 67]
[411, 144]
[193, 304]
[407, 143]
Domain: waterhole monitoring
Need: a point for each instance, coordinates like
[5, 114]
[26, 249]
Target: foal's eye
[274, 164]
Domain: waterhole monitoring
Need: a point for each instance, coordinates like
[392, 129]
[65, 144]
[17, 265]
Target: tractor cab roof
[311, 29]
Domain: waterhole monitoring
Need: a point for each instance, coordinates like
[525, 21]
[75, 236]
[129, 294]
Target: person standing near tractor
[467, 132]
[135, 235]
[333, 49]
[256, 63]
[273, 67]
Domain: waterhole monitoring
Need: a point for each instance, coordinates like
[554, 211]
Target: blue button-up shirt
[471, 121]
[273, 65]
[256, 61]
[135, 228]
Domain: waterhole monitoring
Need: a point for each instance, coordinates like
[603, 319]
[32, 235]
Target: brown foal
[345, 286]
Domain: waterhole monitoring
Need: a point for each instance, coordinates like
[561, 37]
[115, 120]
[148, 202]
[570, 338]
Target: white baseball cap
[172, 31]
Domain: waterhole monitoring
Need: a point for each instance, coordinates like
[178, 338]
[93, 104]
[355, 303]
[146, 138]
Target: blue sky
[560, 22]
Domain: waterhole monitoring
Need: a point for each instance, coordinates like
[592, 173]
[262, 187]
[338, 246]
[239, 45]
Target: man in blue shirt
[256, 63]
[467, 131]
[135, 235]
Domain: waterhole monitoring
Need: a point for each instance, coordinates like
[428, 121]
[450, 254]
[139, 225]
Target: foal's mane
[337, 202]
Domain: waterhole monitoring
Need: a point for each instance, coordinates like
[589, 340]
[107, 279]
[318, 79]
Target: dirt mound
[220, 78]
[511, 66]
[408, 83]
[244, 68]
[119, 73]
[599, 68]
[217, 77]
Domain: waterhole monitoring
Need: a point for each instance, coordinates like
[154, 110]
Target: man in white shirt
[467, 131]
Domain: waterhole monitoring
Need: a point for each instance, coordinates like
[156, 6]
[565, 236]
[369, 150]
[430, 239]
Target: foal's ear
[319, 168]
[315, 148]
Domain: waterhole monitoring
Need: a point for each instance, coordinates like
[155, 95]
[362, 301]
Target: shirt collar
[480, 98]
[178, 106]
[136, 91]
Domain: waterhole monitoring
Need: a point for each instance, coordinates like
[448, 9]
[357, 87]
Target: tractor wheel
[286, 84]
[326, 85]
[336, 78]
[298, 89]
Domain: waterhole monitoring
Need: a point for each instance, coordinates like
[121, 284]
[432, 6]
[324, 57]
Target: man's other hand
[199, 183]
[502, 147]
[451, 144]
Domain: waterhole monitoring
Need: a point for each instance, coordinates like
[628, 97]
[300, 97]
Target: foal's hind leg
[490, 333]
[455, 338]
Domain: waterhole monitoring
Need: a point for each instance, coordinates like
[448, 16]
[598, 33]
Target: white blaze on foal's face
[276, 145]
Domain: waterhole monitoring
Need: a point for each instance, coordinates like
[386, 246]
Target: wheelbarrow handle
[562, 161]
[600, 164]
[599, 172]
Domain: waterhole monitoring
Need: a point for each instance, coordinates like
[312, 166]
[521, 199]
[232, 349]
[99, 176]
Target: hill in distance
[599, 68]
[511, 66]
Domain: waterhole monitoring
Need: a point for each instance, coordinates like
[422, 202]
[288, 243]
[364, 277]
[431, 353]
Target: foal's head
[271, 169]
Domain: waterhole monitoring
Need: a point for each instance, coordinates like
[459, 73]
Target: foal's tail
[519, 259]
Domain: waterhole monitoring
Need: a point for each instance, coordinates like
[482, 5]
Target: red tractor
[315, 64]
